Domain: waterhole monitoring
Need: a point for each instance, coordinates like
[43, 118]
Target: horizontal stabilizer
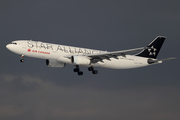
[166, 59]
[151, 61]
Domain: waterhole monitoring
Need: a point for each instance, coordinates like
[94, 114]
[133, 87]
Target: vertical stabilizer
[153, 48]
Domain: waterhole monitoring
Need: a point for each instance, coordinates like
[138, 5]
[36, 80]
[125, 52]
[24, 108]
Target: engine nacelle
[54, 63]
[80, 60]
[150, 61]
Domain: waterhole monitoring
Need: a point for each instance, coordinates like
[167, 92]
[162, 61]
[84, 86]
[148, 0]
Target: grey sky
[33, 91]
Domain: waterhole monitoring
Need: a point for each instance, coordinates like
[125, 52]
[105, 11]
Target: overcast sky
[32, 91]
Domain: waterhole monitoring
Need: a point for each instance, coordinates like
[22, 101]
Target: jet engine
[80, 60]
[150, 61]
[54, 63]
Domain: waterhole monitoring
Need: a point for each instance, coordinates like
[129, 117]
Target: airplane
[57, 55]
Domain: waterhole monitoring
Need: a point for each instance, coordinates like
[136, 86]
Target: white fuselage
[60, 53]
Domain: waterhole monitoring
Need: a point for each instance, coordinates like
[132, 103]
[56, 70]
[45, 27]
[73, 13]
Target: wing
[107, 55]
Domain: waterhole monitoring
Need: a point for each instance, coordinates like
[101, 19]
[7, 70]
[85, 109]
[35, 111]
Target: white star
[153, 48]
[152, 51]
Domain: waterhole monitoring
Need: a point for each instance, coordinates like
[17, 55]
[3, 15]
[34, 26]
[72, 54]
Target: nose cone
[14, 48]
[8, 46]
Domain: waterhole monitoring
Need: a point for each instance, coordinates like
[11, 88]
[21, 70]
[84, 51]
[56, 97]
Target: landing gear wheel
[22, 60]
[80, 73]
[76, 70]
[95, 72]
[90, 68]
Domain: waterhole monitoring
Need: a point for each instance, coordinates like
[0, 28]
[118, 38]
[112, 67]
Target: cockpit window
[14, 43]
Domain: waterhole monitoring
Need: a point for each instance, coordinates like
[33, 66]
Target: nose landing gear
[22, 58]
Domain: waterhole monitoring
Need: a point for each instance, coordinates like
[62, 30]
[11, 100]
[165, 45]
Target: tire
[22, 60]
[80, 73]
[90, 68]
[95, 72]
[76, 70]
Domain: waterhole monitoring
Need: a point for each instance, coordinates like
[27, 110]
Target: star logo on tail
[152, 51]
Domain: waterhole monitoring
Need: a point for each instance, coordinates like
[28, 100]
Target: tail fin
[153, 48]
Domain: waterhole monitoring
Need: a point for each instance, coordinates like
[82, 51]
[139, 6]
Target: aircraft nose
[7, 46]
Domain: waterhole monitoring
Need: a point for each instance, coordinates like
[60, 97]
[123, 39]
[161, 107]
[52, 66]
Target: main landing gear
[22, 58]
[77, 69]
[93, 71]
